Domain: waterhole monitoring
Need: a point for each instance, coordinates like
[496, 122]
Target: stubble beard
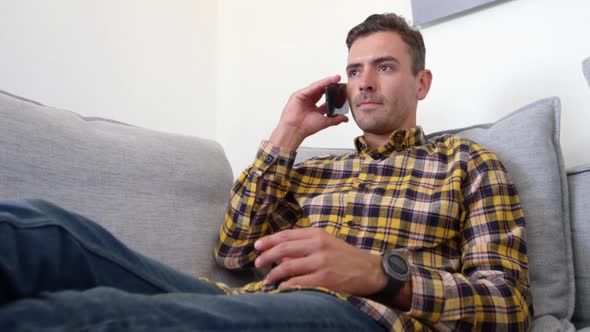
[379, 122]
[368, 119]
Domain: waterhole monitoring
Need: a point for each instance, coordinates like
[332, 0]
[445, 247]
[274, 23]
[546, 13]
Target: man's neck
[374, 141]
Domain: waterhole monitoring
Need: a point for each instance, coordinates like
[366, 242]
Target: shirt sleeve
[491, 292]
[260, 204]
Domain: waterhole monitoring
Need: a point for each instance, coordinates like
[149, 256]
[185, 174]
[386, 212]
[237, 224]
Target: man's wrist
[286, 137]
[402, 300]
[394, 280]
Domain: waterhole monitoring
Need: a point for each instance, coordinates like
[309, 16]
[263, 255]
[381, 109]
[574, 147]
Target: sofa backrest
[164, 195]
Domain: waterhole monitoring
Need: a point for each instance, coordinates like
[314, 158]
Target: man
[404, 234]
[447, 203]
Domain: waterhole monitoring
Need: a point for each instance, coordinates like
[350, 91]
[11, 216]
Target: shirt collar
[399, 140]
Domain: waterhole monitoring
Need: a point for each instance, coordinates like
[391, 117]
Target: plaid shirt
[448, 203]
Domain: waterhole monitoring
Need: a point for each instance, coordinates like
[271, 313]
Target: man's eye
[352, 72]
[385, 68]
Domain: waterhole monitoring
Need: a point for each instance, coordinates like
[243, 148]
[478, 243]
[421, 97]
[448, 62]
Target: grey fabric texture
[527, 142]
[586, 69]
[579, 188]
[549, 323]
[163, 195]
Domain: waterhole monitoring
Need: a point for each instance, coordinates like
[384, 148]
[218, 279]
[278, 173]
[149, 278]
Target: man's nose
[367, 82]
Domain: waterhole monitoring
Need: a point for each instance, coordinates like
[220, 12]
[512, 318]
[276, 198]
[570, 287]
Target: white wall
[147, 62]
[268, 49]
[491, 62]
[224, 69]
[486, 64]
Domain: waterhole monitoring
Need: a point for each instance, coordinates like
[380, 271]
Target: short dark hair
[392, 22]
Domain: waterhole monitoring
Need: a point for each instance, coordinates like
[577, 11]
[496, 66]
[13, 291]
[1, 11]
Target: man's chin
[365, 113]
[368, 126]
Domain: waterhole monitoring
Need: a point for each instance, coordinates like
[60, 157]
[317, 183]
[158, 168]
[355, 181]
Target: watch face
[397, 264]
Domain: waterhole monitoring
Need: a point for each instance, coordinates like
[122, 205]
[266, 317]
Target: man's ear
[423, 81]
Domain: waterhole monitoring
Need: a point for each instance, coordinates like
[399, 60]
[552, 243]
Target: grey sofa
[165, 195]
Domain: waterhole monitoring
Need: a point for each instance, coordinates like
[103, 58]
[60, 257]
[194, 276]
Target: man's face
[382, 90]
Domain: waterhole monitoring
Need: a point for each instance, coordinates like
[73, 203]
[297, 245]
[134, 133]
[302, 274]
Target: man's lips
[367, 100]
[367, 103]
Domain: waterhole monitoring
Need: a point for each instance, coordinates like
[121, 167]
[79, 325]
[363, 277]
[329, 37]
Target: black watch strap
[397, 270]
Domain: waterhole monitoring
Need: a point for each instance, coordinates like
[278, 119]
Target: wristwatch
[397, 271]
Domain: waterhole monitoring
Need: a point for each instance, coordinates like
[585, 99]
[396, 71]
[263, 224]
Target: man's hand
[302, 118]
[312, 257]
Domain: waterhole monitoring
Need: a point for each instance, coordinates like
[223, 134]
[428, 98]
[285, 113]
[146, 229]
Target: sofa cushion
[164, 195]
[527, 142]
[579, 188]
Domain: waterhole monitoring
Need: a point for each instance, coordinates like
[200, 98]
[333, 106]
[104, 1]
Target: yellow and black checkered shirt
[448, 202]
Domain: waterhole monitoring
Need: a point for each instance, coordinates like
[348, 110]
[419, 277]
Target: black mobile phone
[336, 100]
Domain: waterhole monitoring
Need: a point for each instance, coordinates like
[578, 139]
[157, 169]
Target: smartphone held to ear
[336, 100]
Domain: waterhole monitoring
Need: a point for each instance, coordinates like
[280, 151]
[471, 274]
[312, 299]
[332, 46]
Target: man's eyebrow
[380, 59]
[352, 65]
[385, 59]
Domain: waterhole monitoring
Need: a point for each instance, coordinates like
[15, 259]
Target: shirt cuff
[274, 158]
[428, 294]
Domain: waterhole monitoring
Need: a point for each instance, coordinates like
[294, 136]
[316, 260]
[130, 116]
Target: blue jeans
[60, 271]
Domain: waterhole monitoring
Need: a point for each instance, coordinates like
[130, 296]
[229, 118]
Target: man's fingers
[286, 249]
[315, 90]
[336, 120]
[307, 280]
[272, 240]
[330, 121]
[291, 268]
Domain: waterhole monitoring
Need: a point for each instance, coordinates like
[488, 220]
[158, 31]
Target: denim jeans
[62, 272]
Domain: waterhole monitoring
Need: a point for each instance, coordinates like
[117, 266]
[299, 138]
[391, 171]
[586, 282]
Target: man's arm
[260, 203]
[491, 292]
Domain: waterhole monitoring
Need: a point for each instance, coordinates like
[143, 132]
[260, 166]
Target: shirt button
[362, 185]
[351, 223]
[281, 162]
[269, 159]
[259, 200]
